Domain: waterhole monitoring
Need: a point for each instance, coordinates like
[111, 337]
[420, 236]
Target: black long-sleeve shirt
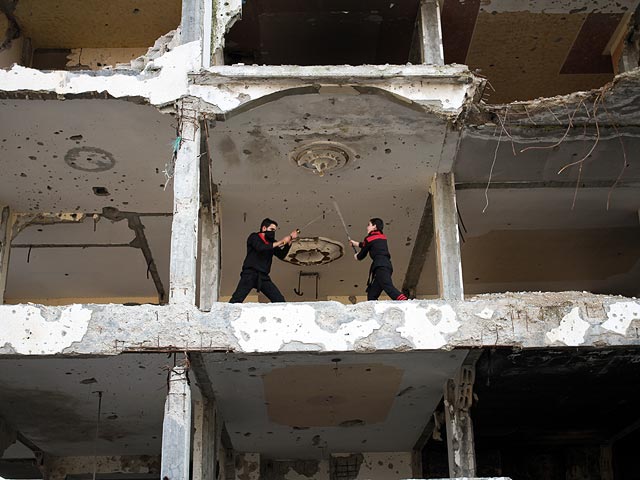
[375, 244]
[260, 253]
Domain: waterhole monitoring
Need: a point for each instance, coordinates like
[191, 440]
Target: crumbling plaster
[527, 320]
[59, 467]
[616, 103]
[226, 13]
[163, 81]
[441, 89]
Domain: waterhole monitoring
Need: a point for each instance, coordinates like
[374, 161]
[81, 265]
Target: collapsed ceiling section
[81, 34]
[543, 184]
[529, 49]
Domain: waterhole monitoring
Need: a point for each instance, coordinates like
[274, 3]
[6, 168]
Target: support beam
[186, 203]
[204, 445]
[191, 23]
[421, 246]
[209, 259]
[6, 227]
[210, 246]
[205, 438]
[458, 397]
[445, 219]
[176, 427]
[431, 51]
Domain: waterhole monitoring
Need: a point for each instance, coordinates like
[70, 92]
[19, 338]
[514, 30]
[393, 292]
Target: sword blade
[313, 221]
[337, 208]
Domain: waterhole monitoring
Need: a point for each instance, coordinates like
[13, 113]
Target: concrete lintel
[186, 203]
[443, 88]
[521, 320]
[228, 73]
[431, 51]
[176, 427]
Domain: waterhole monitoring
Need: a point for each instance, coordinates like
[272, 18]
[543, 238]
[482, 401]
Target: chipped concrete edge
[522, 320]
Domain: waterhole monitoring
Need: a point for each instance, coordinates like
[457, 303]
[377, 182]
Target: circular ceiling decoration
[322, 157]
[309, 251]
[89, 159]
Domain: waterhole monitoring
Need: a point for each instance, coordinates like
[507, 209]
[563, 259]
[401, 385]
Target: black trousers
[250, 279]
[382, 281]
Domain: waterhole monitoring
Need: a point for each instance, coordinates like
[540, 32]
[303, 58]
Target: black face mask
[269, 235]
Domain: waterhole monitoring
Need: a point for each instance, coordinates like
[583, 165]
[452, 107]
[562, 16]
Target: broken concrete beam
[523, 320]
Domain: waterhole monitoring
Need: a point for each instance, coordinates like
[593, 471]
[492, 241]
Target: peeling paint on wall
[571, 330]
[270, 327]
[164, 81]
[424, 326]
[28, 330]
[620, 316]
[525, 320]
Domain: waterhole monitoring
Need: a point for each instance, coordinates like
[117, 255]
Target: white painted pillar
[209, 258]
[458, 395]
[186, 205]
[204, 439]
[6, 226]
[191, 23]
[431, 49]
[176, 428]
[447, 238]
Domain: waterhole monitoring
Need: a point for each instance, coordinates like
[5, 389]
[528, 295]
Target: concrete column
[210, 246]
[176, 427]
[191, 23]
[6, 226]
[209, 259]
[431, 49]
[458, 396]
[445, 220]
[186, 204]
[204, 440]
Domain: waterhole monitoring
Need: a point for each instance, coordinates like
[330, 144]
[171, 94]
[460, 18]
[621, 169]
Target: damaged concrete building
[142, 141]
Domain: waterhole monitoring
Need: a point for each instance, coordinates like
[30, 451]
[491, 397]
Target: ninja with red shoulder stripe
[375, 244]
[261, 247]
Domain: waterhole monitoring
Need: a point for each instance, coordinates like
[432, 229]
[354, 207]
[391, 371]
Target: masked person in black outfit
[375, 244]
[261, 247]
